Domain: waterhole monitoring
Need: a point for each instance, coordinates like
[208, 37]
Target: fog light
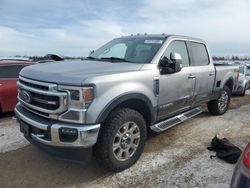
[68, 134]
[68, 131]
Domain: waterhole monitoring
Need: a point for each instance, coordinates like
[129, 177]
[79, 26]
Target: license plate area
[25, 129]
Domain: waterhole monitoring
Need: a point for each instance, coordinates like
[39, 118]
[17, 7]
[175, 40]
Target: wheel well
[139, 106]
[230, 84]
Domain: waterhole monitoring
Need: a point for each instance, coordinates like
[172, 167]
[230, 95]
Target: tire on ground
[103, 150]
[213, 106]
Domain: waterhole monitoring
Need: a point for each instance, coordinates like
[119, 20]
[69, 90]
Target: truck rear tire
[220, 106]
[121, 139]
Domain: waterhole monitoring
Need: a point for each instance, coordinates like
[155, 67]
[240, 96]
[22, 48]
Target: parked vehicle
[15, 59]
[248, 74]
[9, 71]
[110, 100]
[241, 175]
[242, 81]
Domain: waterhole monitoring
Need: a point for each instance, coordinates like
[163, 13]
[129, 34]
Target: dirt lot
[175, 158]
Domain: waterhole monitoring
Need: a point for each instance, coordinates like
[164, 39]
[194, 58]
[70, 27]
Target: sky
[74, 28]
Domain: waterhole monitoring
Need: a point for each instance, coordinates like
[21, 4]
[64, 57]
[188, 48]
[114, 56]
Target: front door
[176, 90]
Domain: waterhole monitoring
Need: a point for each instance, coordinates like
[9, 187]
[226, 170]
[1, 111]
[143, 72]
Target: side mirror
[177, 60]
[172, 65]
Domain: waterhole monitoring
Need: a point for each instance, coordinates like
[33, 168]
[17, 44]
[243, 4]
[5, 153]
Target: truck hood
[76, 71]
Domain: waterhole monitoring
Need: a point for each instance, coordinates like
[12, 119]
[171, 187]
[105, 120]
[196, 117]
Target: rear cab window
[199, 54]
[10, 71]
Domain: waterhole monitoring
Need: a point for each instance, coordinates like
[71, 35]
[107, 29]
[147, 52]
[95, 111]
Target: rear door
[176, 89]
[203, 70]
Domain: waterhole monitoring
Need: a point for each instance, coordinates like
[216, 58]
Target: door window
[199, 54]
[180, 48]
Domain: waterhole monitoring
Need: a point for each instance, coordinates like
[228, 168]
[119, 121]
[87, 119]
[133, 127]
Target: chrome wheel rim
[126, 141]
[222, 101]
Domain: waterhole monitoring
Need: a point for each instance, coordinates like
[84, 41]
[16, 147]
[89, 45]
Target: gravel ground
[175, 158]
[10, 137]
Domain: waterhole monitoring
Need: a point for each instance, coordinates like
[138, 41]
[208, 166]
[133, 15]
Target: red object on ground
[9, 72]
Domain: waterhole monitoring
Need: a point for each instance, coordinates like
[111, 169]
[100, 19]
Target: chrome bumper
[86, 134]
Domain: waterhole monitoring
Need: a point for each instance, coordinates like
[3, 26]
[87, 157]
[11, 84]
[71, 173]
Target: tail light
[246, 156]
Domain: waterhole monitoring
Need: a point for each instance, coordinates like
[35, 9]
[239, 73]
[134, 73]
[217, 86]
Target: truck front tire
[121, 139]
[220, 106]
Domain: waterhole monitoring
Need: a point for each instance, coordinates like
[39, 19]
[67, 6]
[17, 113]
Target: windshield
[134, 50]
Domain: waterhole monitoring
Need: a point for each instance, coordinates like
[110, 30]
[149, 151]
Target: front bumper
[50, 132]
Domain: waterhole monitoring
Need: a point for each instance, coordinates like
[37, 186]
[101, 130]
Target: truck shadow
[6, 115]
[29, 167]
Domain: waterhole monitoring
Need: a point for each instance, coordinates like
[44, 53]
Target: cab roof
[163, 36]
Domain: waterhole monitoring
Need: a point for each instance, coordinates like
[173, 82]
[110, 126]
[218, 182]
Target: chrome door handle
[211, 73]
[191, 76]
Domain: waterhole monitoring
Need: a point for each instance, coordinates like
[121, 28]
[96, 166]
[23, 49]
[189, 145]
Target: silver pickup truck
[108, 101]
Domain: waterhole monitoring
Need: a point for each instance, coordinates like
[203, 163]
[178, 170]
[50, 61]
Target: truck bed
[223, 71]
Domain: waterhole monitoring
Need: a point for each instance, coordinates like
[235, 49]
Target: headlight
[88, 95]
[74, 94]
[79, 97]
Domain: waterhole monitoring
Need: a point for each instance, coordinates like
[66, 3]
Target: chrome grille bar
[50, 101]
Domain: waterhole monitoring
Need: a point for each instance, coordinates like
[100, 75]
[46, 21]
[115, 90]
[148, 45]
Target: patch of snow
[11, 138]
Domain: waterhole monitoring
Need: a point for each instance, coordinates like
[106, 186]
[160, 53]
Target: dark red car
[241, 175]
[9, 71]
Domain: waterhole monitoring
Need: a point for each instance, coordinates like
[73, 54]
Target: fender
[231, 81]
[125, 97]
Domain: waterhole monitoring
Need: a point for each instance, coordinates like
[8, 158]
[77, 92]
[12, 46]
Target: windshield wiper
[92, 58]
[117, 59]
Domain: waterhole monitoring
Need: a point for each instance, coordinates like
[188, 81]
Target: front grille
[45, 88]
[44, 101]
[39, 100]
[36, 111]
[41, 97]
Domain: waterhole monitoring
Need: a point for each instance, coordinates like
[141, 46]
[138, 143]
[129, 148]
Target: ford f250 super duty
[107, 102]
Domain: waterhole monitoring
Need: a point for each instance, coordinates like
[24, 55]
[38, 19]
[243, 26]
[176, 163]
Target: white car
[242, 81]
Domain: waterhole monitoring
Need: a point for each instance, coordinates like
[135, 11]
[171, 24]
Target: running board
[166, 124]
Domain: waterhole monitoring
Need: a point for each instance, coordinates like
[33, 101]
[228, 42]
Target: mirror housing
[176, 58]
[172, 65]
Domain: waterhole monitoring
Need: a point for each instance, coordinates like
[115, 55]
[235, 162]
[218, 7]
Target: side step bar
[166, 124]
